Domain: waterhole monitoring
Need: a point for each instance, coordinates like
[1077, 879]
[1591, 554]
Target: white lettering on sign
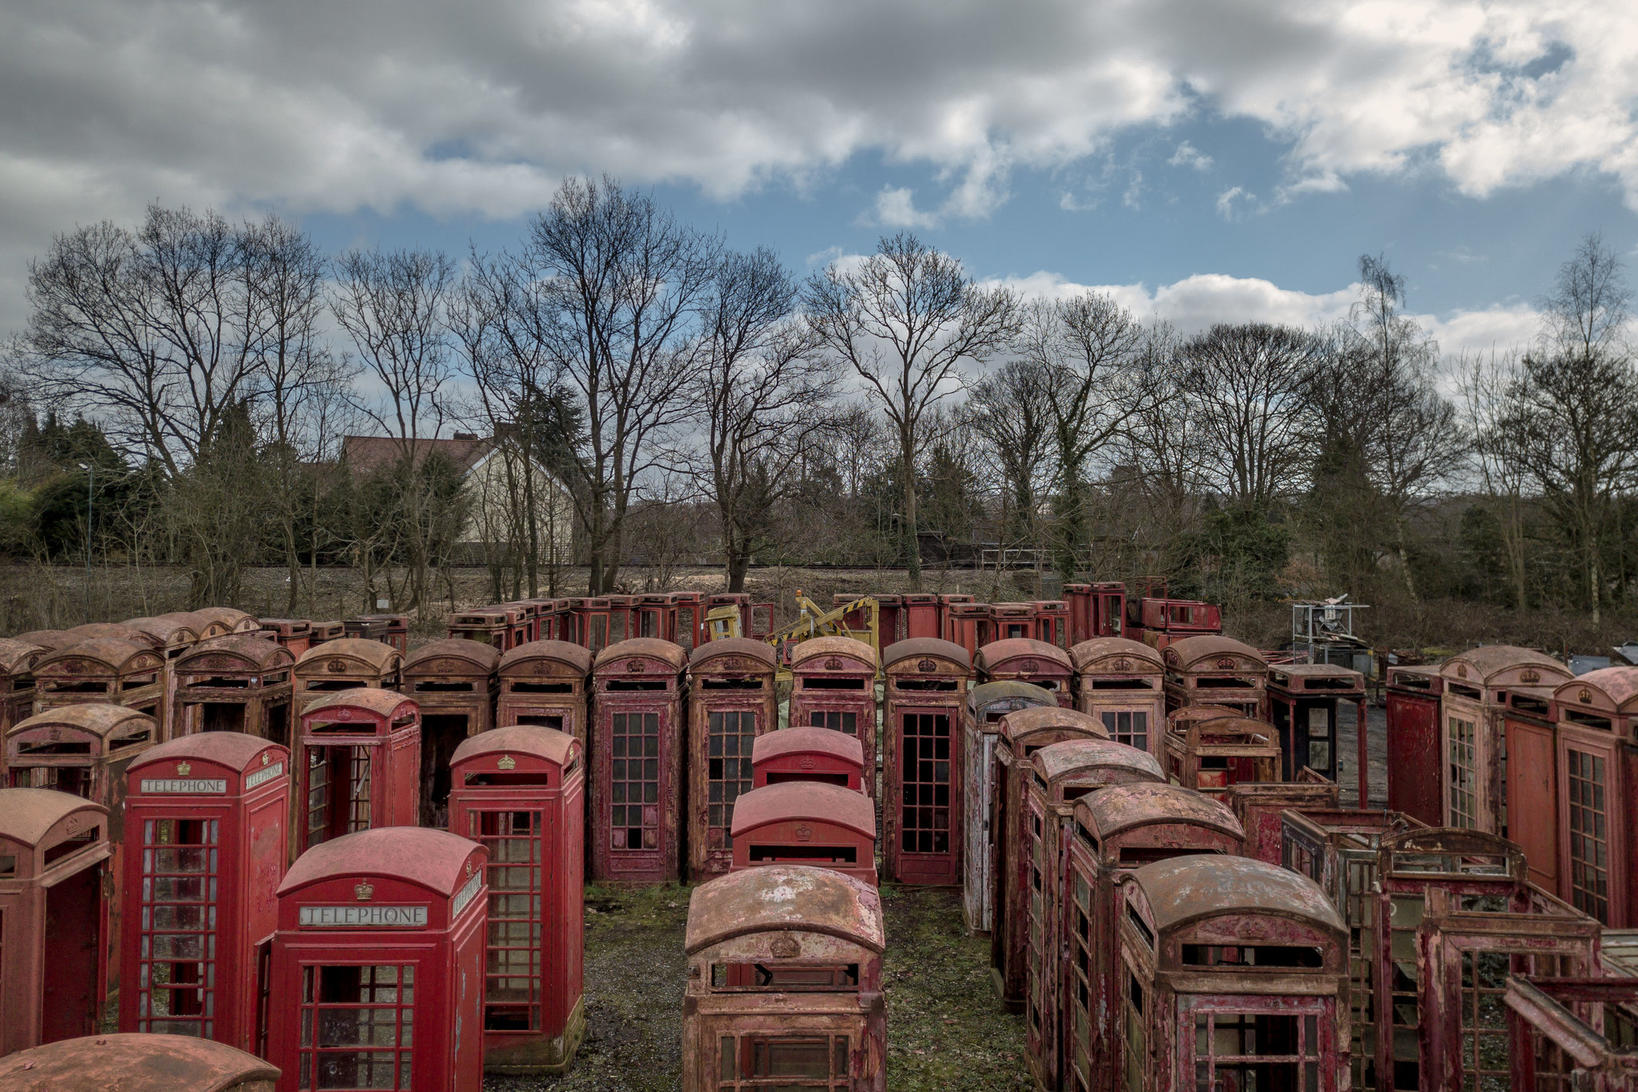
[467, 893]
[198, 786]
[363, 917]
[264, 775]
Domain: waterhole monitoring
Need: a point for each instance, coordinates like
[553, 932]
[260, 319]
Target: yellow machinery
[812, 620]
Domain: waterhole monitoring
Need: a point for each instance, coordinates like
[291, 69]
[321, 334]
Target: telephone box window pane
[176, 977]
[728, 773]
[924, 822]
[356, 1027]
[634, 822]
[834, 719]
[1463, 777]
[512, 977]
[1589, 834]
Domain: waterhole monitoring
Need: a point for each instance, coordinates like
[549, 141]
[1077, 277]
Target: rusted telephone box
[501, 626]
[926, 692]
[1061, 774]
[1592, 827]
[987, 703]
[922, 615]
[293, 634]
[1304, 704]
[104, 670]
[53, 849]
[833, 685]
[1414, 750]
[1573, 1033]
[1116, 830]
[323, 632]
[1023, 733]
[453, 684]
[808, 823]
[390, 629]
[231, 619]
[1052, 622]
[1454, 914]
[1235, 975]
[1123, 684]
[637, 761]
[1210, 754]
[545, 683]
[622, 617]
[378, 963]
[688, 610]
[784, 982]
[1260, 806]
[807, 754]
[656, 617]
[1095, 610]
[17, 661]
[1215, 670]
[237, 683]
[206, 822]
[343, 664]
[358, 764]
[1027, 660]
[591, 619]
[136, 1063]
[172, 636]
[731, 701]
[1472, 734]
[963, 623]
[1530, 794]
[520, 793]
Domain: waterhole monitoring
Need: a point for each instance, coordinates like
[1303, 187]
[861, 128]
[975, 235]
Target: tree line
[689, 402]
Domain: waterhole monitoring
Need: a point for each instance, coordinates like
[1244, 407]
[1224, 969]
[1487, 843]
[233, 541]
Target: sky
[1204, 160]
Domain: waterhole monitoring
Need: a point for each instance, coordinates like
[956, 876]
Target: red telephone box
[807, 754]
[1027, 660]
[987, 703]
[345, 663]
[1060, 774]
[136, 1063]
[453, 684]
[921, 767]
[545, 683]
[1235, 975]
[1472, 737]
[237, 683]
[921, 616]
[1303, 702]
[358, 763]
[16, 685]
[833, 685]
[1260, 806]
[1530, 781]
[962, 623]
[784, 982]
[103, 670]
[206, 828]
[499, 626]
[808, 823]
[1122, 683]
[55, 845]
[622, 617]
[230, 619]
[292, 634]
[1023, 733]
[1095, 610]
[1414, 752]
[520, 793]
[173, 636]
[731, 701]
[1010, 621]
[656, 617]
[377, 973]
[1211, 669]
[591, 620]
[324, 632]
[1209, 752]
[1597, 775]
[1052, 622]
[1116, 831]
[637, 761]
[688, 610]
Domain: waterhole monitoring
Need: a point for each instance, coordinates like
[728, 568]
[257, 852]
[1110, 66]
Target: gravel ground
[945, 1030]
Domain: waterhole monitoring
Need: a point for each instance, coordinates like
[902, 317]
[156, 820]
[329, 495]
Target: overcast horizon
[1205, 162]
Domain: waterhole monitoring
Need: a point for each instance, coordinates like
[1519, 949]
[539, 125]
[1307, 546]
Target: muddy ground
[945, 1029]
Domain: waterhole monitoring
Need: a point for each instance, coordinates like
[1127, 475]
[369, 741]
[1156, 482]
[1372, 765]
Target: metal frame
[922, 760]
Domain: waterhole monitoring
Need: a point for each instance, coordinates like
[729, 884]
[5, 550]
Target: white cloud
[1234, 202]
[896, 208]
[1187, 155]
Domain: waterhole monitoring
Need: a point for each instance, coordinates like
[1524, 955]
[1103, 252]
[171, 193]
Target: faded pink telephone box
[545, 683]
[1597, 783]
[1413, 694]
[807, 754]
[53, 938]
[453, 684]
[637, 761]
[1211, 669]
[358, 765]
[237, 683]
[1122, 683]
[520, 793]
[1027, 660]
[921, 767]
[731, 702]
[377, 972]
[808, 823]
[833, 685]
[206, 825]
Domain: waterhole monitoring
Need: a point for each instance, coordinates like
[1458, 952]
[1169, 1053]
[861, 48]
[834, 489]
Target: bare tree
[764, 392]
[392, 305]
[1011, 411]
[1494, 458]
[906, 320]
[625, 282]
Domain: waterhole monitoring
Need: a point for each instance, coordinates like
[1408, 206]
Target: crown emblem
[1530, 676]
[1585, 695]
[634, 666]
[267, 756]
[1461, 671]
[926, 667]
[506, 762]
[804, 833]
[1029, 667]
[335, 667]
[364, 890]
[1123, 664]
[805, 763]
[183, 769]
[785, 947]
[834, 663]
[1225, 663]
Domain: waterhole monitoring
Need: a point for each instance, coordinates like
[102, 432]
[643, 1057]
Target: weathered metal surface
[1259, 806]
[1029, 660]
[987, 703]
[172, 631]
[807, 754]
[833, 685]
[922, 804]
[231, 619]
[1304, 704]
[806, 822]
[453, 681]
[519, 791]
[1061, 773]
[1159, 621]
[637, 761]
[1095, 610]
[731, 701]
[784, 982]
[1595, 778]
[117, 631]
[1573, 1033]
[357, 765]
[17, 659]
[236, 683]
[45, 638]
[104, 669]
[342, 664]
[295, 634]
[502, 626]
[382, 928]
[1210, 669]
[136, 1063]
[1413, 726]
[1236, 972]
[52, 916]
[545, 683]
[1209, 753]
[207, 817]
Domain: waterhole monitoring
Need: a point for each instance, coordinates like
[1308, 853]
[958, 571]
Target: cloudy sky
[1207, 159]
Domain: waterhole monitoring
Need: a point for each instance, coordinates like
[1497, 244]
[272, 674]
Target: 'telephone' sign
[363, 917]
